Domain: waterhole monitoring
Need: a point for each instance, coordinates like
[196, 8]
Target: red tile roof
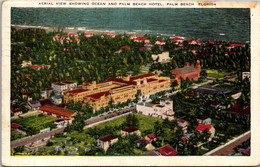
[98, 95]
[141, 76]
[152, 136]
[189, 40]
[202, 127]
[143, 141]
[130, 129]
[15, 126]
[107, 138]
[76, 91]
[58, 84]
[176, 39]
[68, 82]
[184, 139]
[167, 151]
[88, 33]
[142, 38]
[237, 45]
[161, 81]
[33, 66]
[56, 110]
[125, 47]
[181, 121]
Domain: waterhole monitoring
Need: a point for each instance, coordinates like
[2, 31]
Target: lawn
[15, 135]
[146, 122]
[36, 122]
[216, 74]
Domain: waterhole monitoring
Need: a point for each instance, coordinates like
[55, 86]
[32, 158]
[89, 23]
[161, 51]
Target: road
[38, 137]
[35, 138]
[227, 148]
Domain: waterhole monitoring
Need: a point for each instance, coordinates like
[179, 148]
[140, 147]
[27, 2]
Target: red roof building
[107, 138]
[167, 151]
[142, 39]
[202, 127]
[130, 129]
[15, 126]
[88, 34]
[111, 35]
[125, 47]
[58, 112]
[190, 72]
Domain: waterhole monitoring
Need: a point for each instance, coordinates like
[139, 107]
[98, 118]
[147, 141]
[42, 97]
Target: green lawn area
[146, 122]
[216, 74]
[36, 122]
[15, 135]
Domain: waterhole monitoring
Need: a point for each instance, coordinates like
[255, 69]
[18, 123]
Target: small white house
[105, 142]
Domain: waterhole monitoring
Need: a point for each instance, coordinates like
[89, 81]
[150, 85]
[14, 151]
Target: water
[209, 24]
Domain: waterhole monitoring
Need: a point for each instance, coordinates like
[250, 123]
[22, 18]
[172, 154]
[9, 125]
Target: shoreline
[74, 30]
[100, 32]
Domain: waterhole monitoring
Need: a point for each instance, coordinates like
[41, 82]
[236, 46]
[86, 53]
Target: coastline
[74, 30]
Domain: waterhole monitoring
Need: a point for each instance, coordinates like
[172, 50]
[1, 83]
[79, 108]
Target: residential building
[26, 64]
[167, 150]
[105, 142]
[57, 112]
[19, 129]
[61, 123]
[142, 39]
[183, 125]
[201, 128]
[34, 105]
[246, 74]
[130, 131]
[143, 142]
[176, 40]
[111, 35]
[14, 100]
[160, 42]
[204, 120]
[59, 88]
[151, 137]
[162, 58]
[191, 72]
[98, 95]
[16, 111]
[132, 36]
[88, 34]
[164, 110]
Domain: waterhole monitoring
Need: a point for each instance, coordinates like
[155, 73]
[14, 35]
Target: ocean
[206, 24]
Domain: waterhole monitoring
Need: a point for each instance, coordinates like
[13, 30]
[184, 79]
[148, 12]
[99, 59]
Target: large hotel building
[98, 95]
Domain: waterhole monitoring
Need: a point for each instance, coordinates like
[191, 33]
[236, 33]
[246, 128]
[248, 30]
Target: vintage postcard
[151, 83]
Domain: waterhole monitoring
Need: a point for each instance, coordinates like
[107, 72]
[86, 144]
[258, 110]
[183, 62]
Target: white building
[246, 74]
[59, 88]
[163, 57]
[163, 110]
[105, 142]
[61, 123]
[26, 64]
